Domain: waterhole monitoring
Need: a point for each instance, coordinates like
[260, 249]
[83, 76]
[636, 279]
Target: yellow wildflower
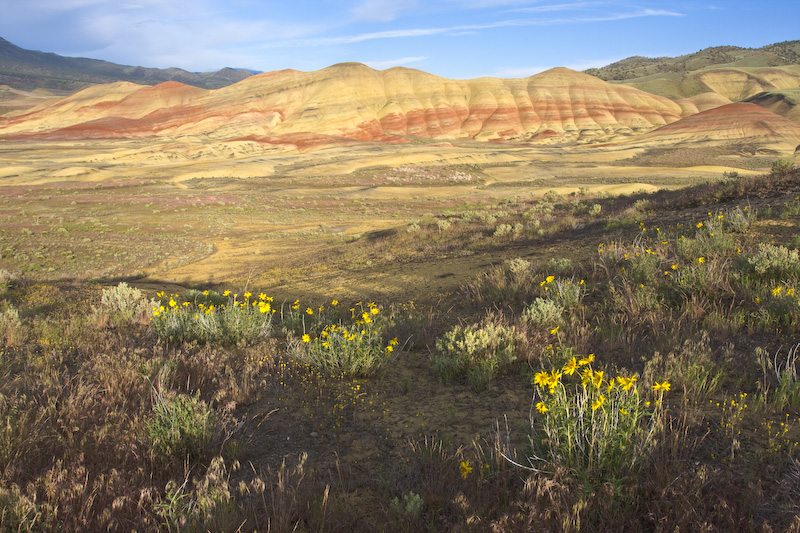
[541, 407]
[306, 338]
[701, 259]
[598, 403]
[541, 378]
[597, 379]
[570, 367]
[663, 386]
[466, 469]
[626, 383]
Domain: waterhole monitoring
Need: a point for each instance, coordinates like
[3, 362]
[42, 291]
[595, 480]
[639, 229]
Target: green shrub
[124, 304]
[599, 427]
[692, 368]
[209, 506]
[502, 230]
[11, 329]
[475, 352]
[543, 312]
[567, 293]
[782, 166]
[248, 320]
[775, 262]
[780, 382]
[181, 425]
[6, 281]
[354, 348]
[518, 266]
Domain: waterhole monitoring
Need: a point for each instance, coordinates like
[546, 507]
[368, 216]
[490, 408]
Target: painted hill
[785, 102]
[28, 70]
[732, 123]
[353, 101]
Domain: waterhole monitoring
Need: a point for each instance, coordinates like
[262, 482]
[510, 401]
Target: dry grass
[289, 446]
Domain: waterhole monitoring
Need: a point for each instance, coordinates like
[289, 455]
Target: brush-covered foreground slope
[353, 101]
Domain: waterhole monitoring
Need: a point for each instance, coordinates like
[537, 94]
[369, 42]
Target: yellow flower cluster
[591, 380]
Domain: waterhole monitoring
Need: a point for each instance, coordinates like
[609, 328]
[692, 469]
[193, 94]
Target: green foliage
[354, 347]
[560, 266]
[599, 427]
[412, 504]
[543, 312]
[124, 304]
[780, 382]
[245, 319]
[774, 262]
[6, 281]
[208, 506]
[11, 329]
[19, 511]
[475, 352]
[181, 425]
[782, 166]
[691, 368]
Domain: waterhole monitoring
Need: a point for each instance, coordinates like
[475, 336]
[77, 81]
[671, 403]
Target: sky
[458, 39]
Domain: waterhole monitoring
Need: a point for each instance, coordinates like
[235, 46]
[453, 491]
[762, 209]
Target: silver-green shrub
[775, 261]
[543, 311]
[475, 352]
[124, 304]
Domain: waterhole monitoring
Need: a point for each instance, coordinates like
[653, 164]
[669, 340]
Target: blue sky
[452, 38]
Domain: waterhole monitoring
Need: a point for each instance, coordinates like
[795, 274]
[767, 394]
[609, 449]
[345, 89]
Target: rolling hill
[729, 72]
[353, 101]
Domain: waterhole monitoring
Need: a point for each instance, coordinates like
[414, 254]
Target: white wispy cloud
[422, 32]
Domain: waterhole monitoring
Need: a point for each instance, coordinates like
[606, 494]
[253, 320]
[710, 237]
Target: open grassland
[451, 347]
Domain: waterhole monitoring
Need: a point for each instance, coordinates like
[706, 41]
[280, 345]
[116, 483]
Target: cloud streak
[522, 22]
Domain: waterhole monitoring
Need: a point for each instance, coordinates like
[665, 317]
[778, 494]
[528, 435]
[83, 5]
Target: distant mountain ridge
[710, 77]
[773, 55]
[28, 70]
